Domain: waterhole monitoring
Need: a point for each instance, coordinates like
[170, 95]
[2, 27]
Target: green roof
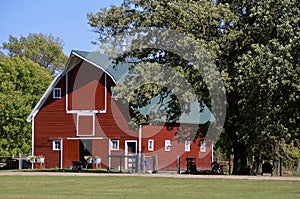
[105, 62]
[197, 114]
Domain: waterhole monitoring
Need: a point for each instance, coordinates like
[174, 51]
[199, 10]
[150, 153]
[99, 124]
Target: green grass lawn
[141, 187]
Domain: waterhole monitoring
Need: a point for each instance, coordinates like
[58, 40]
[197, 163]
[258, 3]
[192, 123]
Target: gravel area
[158, 175]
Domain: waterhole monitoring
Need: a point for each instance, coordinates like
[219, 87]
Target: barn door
[70, 150]
[131, 151]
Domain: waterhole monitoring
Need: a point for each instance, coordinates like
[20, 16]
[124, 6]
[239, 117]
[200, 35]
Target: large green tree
[46, 50]
[22, 83]
[255, 45]
[263, 69]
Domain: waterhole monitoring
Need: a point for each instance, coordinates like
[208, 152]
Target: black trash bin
[191, 166]
[267, 168]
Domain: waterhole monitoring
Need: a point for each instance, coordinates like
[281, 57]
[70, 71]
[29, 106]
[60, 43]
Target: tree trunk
[240, 160]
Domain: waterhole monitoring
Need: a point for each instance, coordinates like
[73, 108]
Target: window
[150, 145]
[187, 146]
[114, 144]
[56, 93]
[203, 146]
[56, 145]
[167, 145]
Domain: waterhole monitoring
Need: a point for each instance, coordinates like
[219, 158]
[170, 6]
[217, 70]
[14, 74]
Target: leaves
[21, 85]
[42, 49]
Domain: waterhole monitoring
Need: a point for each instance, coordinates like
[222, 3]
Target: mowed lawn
[141, 187]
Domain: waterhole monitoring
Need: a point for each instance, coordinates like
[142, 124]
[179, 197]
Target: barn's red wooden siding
[168, 159]
[86, 88]
[51, 123]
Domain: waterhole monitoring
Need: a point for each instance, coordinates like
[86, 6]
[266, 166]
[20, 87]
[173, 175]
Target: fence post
[298, 167]
[178, 164]
[143, 163]
[155, 167]
[229, 166]
[20, 161]
[280, 166]
[120, 164]
[108, 163]
[137, 163]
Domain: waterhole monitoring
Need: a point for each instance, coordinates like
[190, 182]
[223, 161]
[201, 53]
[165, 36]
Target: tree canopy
[255, 45]
[22, 83]
[263, 71]
[46, 50]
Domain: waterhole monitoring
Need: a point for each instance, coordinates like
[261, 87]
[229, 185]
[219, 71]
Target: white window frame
[57, 93]
[167, 145]
[203, 146]
[150, 145]
[112, 144]
[55, 144]
[187, 146]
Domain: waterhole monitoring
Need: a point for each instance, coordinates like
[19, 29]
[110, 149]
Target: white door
[130, 150]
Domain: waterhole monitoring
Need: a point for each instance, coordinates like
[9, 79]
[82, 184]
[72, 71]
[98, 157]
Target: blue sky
[65, 19]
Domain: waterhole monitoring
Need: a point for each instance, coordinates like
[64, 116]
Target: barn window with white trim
[56, 93]
[56, 145]
[114, 144]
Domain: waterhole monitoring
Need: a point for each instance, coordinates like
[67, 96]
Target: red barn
[78, 117]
